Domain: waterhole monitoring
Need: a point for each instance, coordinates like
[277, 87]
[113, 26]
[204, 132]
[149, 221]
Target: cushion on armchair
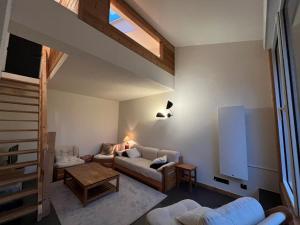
[243, 211]
[203, 216]
[167, 215]
[100, 156]
[106, 149]
[66, 156]
[273, 219]
[69, 161]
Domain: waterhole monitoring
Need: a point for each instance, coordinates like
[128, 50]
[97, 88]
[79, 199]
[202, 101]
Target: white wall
[208, 77]
[82, 120]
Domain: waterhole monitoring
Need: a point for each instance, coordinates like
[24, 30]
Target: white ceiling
[198, 22]
[87, 75]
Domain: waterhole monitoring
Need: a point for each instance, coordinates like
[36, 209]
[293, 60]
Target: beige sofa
[139, 168]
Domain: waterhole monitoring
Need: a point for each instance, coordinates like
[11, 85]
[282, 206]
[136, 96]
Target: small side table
[186, 172]
[87, 158]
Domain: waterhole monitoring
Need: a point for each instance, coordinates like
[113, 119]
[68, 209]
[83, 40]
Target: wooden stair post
[43, 143]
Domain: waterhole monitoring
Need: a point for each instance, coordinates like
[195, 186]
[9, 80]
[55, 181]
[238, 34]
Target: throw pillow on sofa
[106, 149]
[158, 162]
[133, 153]
[124, 154]
[120, 152]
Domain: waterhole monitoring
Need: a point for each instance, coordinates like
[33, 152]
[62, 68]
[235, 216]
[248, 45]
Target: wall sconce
[169, 114]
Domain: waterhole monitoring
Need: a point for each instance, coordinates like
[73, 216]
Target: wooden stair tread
[18, 88]
[14, 196]
[16, 178]
[18, 81]
[18, 95]
[17, 213]
[20, 152]
[18, 130]
[18, 141]
[19, 165]
[18, 111]
[11, 120]
[19, 103]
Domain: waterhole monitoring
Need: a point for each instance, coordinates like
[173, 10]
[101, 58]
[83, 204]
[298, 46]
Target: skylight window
[113, 16]
[124, 24]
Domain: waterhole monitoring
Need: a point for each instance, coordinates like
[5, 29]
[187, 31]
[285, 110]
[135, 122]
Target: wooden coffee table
[91, 181]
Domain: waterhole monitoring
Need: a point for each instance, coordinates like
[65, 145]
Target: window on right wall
[286, 65]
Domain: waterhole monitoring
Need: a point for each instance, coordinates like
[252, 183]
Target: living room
[155, 140]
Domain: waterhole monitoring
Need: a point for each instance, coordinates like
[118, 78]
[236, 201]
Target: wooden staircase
[20, 124]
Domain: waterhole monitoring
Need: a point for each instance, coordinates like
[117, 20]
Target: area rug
[132, 201]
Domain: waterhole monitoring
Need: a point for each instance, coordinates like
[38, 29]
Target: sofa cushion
[165, 165]
[243, 211]
[106, 149]
[274, 219]
[203, 216]
[133, 153]
[100, 156]
[167, 215]
[212, 217]
[66, 151]
[139, 165]
[192, 217]
[69, 161]
[173, 156]
[158, 162]
[148, 152]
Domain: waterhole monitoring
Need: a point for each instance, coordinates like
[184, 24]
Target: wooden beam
[88, 12]
[94, 9]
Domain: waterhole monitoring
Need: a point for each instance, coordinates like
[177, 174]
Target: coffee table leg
[65, 176]
[117, 185]
[85, 193]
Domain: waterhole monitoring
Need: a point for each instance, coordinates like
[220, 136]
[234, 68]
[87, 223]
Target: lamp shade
[169, 105]
[160, 115]
[126, 139]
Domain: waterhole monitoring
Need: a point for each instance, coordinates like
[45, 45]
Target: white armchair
[66, 156]
[243, 211]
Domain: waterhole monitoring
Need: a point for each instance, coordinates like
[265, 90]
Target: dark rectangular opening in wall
[23, 57]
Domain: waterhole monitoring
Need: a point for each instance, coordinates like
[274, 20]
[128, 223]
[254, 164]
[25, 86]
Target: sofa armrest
[283, 209]
[169, 177]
